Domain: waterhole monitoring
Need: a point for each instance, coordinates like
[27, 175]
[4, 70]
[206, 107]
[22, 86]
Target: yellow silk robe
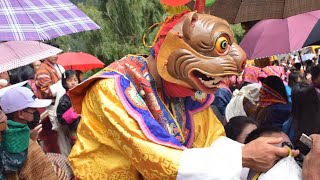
[111, 144]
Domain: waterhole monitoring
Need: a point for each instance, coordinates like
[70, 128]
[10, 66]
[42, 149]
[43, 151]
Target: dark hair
[293, 78]
[277, 85]
[315, 72]
[297, 66]
[260, 131]
[66, 75]
[275, 62]
[10, 116]
[21, 74]
[236, 125]
[243, 84]
[306, 112]
[309, 66]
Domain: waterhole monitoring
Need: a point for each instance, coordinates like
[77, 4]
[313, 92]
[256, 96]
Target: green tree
[122, 22]
[238, 32]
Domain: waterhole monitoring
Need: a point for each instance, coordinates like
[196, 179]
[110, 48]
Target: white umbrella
[15, 54]
[308, 56]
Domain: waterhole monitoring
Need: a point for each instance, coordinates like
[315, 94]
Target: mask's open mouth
[206, 80]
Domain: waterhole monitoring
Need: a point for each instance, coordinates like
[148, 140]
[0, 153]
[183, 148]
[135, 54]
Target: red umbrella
[79, 61]
[199, 4]
[175, 2]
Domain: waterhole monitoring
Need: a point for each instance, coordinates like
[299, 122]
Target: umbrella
[79, 61]
[236, 11]
[15, 54]
[199, 5]
[175, 2]
[279, 36]
[41, 19]
[308, 56]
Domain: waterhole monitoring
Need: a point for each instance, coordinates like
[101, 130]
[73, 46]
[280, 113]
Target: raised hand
[261, 154]
[3, 121]
[34, 133]
[311, 163]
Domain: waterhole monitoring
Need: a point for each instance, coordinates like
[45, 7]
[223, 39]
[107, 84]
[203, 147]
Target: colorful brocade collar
[169, 123]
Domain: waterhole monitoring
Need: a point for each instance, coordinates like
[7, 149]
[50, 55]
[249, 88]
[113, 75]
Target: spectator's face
[36, 65]
[316, 82]
[247, 130]
[27, 115]
[72, 81]
[53, 59]
[5, 75]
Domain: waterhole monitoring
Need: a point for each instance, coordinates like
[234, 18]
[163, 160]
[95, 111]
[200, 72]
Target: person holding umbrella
[50, 87]
[48, 82]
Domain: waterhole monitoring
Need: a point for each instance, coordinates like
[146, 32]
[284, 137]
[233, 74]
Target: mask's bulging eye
[222, 44]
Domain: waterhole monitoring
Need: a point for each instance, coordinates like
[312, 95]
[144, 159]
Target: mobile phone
[306, 140]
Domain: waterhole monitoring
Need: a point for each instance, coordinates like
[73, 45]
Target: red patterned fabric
[268, 96]
[251, 74]
[272, 71]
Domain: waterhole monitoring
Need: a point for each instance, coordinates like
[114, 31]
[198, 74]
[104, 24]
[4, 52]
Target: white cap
[20, 98]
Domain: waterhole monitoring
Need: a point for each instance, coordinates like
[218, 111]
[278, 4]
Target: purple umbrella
[279, 36]
[41, 19]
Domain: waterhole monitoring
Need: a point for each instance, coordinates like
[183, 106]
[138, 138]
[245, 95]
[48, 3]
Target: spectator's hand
[34, 133]
[311, 163]
[3, 121]
[261, 154]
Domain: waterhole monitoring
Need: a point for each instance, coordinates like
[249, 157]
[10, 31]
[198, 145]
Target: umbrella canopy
[41, 19]
[279, 36]
[308, 56]
[79, 61]
[15, 54]
[175, 2]
[236, 11]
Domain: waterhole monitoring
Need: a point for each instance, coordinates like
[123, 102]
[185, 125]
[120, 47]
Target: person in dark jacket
[274, 108]
[65, 113]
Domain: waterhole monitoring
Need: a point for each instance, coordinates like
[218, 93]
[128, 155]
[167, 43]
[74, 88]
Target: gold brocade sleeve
[111, 145]
[207, 128]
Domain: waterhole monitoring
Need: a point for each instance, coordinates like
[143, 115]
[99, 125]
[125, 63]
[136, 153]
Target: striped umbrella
[15, 54]
[41, 19]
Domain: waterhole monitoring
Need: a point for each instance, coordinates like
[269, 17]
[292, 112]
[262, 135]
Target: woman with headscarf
[243, 102]
[274, 108]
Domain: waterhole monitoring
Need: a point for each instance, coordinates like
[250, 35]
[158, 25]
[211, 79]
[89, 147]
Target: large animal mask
[199, 52]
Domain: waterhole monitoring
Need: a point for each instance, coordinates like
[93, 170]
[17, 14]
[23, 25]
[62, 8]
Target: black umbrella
[314, 36]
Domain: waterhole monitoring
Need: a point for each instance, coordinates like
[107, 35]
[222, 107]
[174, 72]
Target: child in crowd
[287, 167]
[239, 127]
[65, 112]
